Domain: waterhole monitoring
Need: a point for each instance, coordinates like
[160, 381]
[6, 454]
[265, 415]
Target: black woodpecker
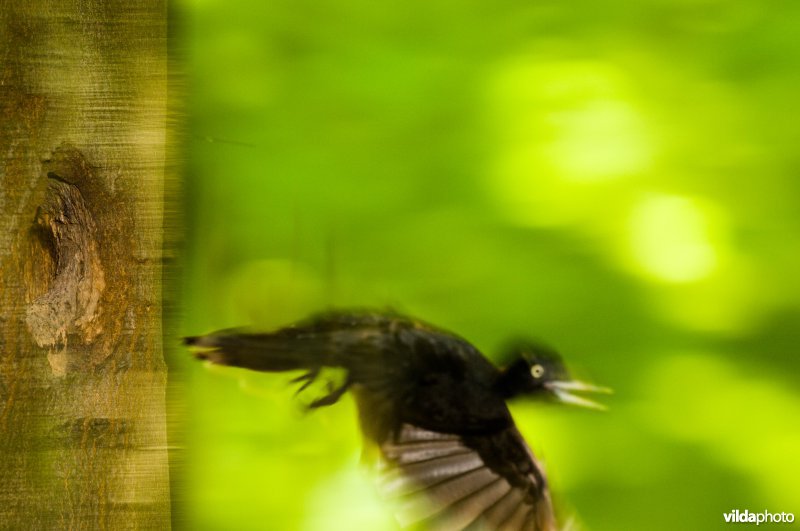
[434, 406]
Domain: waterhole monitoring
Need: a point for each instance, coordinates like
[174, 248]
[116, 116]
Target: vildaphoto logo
[742, 517]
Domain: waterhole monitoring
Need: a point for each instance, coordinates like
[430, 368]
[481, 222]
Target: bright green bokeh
[617, 178]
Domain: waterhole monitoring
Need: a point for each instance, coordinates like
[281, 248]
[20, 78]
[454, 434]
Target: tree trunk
[83, 99]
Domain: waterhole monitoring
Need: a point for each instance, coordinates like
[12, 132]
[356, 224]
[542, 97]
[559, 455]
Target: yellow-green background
[620, 179]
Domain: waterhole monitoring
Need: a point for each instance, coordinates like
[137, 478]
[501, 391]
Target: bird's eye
[537, 371]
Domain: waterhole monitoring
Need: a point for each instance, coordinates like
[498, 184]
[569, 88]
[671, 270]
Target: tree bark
[83, 128]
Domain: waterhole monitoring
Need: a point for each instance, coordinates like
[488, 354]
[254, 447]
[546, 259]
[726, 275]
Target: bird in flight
[435, 407]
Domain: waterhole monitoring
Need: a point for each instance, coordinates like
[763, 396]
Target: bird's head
[537, 370]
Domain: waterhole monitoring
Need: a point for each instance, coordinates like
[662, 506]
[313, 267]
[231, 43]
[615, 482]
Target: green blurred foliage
[617, 178]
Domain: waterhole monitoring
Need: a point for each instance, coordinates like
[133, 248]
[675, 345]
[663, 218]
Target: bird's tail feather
[259, 352]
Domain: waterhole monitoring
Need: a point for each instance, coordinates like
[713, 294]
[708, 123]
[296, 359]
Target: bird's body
[432, 403]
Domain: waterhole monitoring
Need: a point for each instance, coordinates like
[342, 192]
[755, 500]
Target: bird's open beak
[562, 392]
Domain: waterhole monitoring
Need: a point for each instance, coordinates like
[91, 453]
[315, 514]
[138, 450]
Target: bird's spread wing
[444, 481]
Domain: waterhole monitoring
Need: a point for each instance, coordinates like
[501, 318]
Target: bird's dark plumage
[436, 408]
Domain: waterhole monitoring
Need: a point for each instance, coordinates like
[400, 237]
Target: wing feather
[439, 481]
